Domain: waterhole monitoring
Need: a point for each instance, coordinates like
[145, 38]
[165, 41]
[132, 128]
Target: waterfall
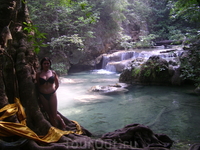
[105, 61]
[115, 62]
[116, 57]
[127, 55]
[110, 68]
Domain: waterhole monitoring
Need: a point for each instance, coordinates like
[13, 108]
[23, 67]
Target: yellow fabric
[20, 114]
[20, 129]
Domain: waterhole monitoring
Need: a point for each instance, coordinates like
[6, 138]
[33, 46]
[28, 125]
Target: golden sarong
[20, 129]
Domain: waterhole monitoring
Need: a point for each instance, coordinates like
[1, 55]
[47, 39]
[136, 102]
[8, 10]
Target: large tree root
[13, 145]
[131, 137]
[138, 136]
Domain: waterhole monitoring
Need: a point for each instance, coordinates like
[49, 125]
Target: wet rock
[110, 89]
[155, 71]
[91, 99]
[126, 76]
[197, 90]
[176, 78]
[117, 66]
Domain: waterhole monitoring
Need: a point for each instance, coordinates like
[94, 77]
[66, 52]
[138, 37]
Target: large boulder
[155, 71]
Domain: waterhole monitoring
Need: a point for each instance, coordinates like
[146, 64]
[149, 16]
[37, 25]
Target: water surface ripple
[169, 110]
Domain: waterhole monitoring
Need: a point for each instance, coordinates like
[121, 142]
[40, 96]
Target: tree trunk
[18, 65]
[17, 61]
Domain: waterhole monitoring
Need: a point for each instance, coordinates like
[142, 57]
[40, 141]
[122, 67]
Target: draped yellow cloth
[20, 129]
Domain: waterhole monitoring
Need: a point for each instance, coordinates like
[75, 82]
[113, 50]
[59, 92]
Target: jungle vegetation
[96, 27]
[85, 27]
[78, 22]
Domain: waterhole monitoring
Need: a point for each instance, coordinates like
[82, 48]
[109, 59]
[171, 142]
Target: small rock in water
[117, 88]
[91, 99]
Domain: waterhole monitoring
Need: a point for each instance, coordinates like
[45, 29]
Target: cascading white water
[110, 68]
[127, 55]
[117, 61]
[105, 61]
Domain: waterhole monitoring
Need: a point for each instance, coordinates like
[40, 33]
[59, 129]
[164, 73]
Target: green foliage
[60, 68]
[158, 18]
[146, 41]
[63, 42]
[123, 42]
[68, 17]
[23, 1]
[87, 24]
[175, 34]
[189, 9]
[147, 73]
[110, 17]
[190, 66]
[35, 36]
[65, 22]
[137, 10]
[136, 72]
[118, 6]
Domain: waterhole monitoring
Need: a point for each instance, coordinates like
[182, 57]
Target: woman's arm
[56, 80]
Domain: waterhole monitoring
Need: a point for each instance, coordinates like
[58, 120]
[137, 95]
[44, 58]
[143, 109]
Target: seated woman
[47, 83]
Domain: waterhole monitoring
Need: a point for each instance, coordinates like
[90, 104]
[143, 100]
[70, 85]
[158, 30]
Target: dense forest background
[76, 32]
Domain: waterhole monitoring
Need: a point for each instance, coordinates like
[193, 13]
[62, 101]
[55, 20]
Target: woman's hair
[45, 59]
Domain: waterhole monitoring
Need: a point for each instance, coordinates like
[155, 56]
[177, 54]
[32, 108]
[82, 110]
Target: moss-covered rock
[155, 71]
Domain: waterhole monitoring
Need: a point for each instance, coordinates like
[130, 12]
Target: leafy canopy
[189, 9]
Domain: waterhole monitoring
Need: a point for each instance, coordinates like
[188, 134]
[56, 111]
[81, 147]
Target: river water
[169, 110]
